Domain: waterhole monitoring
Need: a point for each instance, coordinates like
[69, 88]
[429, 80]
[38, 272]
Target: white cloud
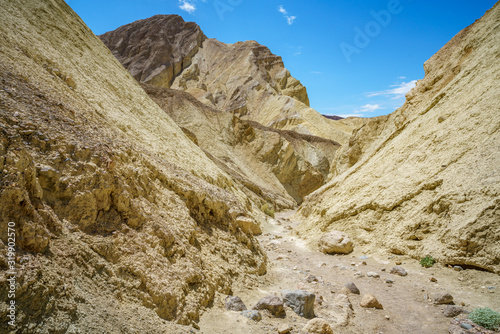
[402, 78]
[370, 107]
[187, 6]
[350, 115]
[289, 18]
[399, 90]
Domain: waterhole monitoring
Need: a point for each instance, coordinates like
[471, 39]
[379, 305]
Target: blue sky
[354, 57]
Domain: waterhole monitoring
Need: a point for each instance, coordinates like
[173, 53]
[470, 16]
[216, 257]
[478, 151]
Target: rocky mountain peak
[156, 49]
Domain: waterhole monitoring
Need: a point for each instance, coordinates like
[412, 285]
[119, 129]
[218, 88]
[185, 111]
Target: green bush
[268, 210]
[485, 317]
[427, 261]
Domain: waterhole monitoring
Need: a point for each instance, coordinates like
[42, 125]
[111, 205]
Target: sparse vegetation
[485, 317]
[427, 261]
[268, 210]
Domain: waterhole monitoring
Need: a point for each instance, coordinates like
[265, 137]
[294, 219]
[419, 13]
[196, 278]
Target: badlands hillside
[139, 170]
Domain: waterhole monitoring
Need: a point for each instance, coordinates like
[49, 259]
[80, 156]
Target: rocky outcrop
[157, 49]
[121, 221]
[425, 179]
[276, 166]
[245, 79]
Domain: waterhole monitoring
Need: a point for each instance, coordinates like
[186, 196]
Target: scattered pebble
[372, 274]
[451, 311]
[432, 279]
[443, 298]
[283, 329]
[397, 270]
[458, 268]
[252, 314]
[398, 263]
[466, 326]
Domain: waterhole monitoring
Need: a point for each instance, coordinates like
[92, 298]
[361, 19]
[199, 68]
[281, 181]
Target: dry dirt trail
[407, 301]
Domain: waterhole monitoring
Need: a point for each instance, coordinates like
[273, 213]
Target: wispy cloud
[289, 18]
[370, 107]
[316, 72]
[187, 6]
[399, 90]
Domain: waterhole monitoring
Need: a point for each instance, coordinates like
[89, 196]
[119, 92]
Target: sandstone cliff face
[121, 220]
[426, 179]
[245, 78]
[279, 167]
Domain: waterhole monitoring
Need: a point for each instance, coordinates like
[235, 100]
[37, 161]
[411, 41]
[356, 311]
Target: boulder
[248, 225]
[234, 303]
[369, 301]
[335, 242]
[273, 304]
[300, 301]
[352, 288]
[317, 326]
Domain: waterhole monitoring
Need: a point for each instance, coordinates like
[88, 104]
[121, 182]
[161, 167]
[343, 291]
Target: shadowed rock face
[426, 178]
[157, 49]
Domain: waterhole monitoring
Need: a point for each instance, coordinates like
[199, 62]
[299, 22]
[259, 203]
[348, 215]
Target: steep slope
[244, 78]
[121, 221]
[426, 179]
[280, 167]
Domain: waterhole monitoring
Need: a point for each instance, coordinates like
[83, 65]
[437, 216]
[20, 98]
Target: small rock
[387, 317]
[311, 278]
[383, 269]
[443, 298]
[358, 274]
[363, 263]
[491, 288]
[369, 301]
[372, 274]
[397, 270]
[467, 326]
[284, 329]
[252, 314]
[389, 281]
[398, 263]
[70, 82]
[432, 279]
[458, 268]
[452, 311]
[352, 288]
[353, 264]
[317, 326]
[335, 242]
[300, 301]
[273, 304]
[234, 303]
